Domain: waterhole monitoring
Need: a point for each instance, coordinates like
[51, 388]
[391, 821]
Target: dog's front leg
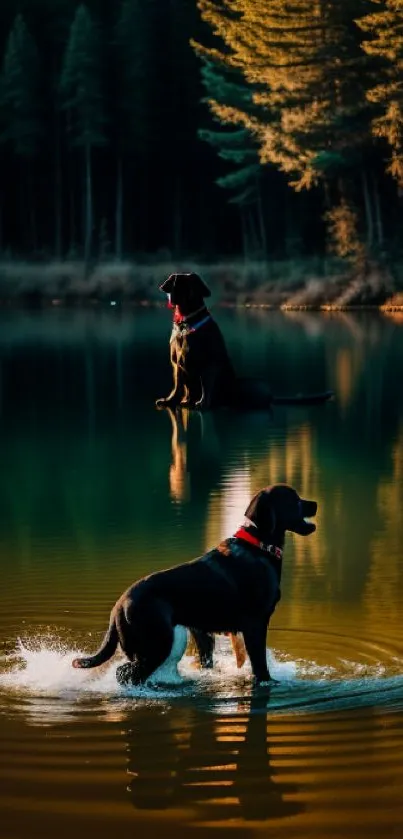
[192, 390]
[174, 397]
[255, 642]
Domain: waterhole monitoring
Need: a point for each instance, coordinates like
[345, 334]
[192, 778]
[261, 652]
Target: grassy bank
[310, 283]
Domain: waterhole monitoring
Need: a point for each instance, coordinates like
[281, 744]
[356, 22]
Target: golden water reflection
[355, 555]
[97, 488]
[385, 577]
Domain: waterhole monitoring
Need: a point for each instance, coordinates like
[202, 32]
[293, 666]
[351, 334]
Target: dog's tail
[303, 398]
[106, 650]
[256, 393]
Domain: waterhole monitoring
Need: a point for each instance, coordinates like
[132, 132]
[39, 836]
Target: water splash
[43, 666]
[41, 669]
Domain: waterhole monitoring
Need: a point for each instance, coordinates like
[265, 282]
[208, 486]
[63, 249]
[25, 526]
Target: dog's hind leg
[204, 642]
[144, 665]
[147, 642]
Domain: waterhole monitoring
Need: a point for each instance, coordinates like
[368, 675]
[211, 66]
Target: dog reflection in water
[196, 455]
[217, 765]
[179, 477]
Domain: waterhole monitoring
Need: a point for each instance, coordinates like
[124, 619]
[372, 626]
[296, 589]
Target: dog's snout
[308, 508]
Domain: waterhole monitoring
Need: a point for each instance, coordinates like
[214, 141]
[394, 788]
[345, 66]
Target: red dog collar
[178, 317]
[253, 540]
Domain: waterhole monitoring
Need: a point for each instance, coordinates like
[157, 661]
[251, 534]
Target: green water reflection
[97, 487]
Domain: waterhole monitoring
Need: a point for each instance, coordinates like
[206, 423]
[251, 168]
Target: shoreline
[310, 284]
[85, 303]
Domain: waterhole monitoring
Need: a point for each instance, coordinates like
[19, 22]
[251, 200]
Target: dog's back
[217, 592]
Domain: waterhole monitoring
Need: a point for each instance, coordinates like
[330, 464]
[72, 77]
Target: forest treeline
[181, 128]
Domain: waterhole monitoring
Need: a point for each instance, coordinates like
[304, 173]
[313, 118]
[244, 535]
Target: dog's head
[186, 291]
[279, 508]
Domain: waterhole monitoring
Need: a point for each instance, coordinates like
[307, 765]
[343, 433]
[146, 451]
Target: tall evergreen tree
[58, 15]
[315, 108]
[81, 92]
[239, 148]
[135, 48]
[22, 127]
[385, 28]
[310, 78]
[179, 105]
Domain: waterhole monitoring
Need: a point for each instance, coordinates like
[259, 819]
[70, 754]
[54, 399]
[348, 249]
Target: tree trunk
[32, 214]
[244, 234]
[177, 220]
[88, 206]
[21, 241]
[27, 205]
[368, 211]
[119, 209]
[378, 212]
[291, 234]
[72, 203]
[262, 228]
[72, 214]
[58, 192]
[254, 237]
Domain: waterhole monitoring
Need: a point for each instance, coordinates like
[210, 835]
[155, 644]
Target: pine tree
[310, 79]
[179, 104]
[385, 28]
[239, 148]
[134, 58]
[22, 127]
[81, 92]
[272, 47]
[58, 15]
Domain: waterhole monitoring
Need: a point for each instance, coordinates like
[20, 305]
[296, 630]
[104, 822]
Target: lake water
[97, 488]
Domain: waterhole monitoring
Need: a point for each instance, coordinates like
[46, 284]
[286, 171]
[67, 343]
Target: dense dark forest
[201, 129]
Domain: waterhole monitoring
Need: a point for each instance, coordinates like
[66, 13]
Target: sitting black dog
[232, 588]
[203, 375]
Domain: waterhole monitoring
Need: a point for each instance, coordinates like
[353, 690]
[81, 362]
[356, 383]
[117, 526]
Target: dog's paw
[165, 403]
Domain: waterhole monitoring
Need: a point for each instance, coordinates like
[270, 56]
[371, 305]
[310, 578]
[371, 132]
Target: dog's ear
[168, 284]
[260, 511]
[199, 288]
[190, 284]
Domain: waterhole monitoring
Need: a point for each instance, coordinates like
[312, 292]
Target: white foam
[44, 666]
[41, 671]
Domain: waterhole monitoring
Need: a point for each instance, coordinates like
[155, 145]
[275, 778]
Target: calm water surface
[98, 488]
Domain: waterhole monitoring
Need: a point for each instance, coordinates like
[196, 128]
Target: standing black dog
[203, 375]
[232, 588]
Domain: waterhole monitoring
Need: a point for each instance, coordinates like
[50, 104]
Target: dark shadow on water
[220, 766]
